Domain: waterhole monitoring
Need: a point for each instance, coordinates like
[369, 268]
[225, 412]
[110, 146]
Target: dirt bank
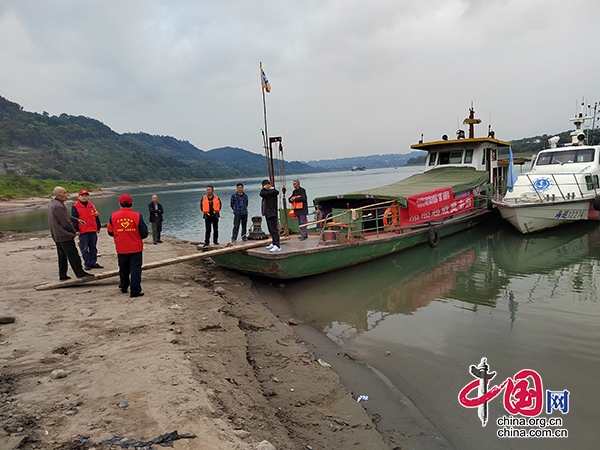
[200, 353]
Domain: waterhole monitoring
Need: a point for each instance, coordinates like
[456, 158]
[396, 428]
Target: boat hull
[326, 258]
[532, 218]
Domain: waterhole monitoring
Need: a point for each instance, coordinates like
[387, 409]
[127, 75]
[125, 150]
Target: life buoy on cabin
[433, 237]
[391, 217]
[596, 203]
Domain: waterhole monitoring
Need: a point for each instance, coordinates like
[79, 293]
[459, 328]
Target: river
[421, 318]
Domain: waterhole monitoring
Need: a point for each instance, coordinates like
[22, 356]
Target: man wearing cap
[86, 220]
[63, 234]
[128, 229]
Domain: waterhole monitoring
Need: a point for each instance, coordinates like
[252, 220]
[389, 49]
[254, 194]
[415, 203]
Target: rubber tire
[596, 203]
[433, 238]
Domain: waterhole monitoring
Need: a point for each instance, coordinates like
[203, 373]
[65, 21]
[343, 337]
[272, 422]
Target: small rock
[323, 363]
[264, 445]
[183, 295]
[219, 290]
[241, 433]
[6, 319]
[292, 389]
[292, 321]
[275, 379]
[175, 306]
[86, 312]
[186, 284]
[281, 285]
[58, 373]
[123, 405]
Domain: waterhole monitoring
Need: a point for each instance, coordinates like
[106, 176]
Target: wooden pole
[153, 265]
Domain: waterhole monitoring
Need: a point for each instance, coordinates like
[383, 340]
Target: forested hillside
[81, 148]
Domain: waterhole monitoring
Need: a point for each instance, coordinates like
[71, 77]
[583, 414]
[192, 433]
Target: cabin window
[566, 157]
[456, 157]
[444, 158]
[468, 156]
[432, 158]
[592, 182]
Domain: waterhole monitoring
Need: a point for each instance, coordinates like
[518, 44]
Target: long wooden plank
[154, 265]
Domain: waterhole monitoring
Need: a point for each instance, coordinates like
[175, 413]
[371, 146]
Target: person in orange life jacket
[128, 229]
[86, 220]
[299, 205]
[210, 206]
[269, 210]
[63, 234]
[156, 218]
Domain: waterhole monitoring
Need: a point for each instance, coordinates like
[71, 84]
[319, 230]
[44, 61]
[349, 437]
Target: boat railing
[570, 186]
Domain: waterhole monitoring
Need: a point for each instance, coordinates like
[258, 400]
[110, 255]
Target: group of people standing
[128, 228]
[210, 205]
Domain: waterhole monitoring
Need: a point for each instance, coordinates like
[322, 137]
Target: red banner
[434, 205]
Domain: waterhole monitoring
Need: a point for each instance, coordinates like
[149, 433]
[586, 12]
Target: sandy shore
[33, 203]
[200, 353]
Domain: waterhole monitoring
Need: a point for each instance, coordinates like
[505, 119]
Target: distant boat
[562, 187]
[356, 168]
[453, 194]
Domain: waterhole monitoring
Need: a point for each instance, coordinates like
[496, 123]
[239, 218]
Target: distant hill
[369, 162]
[81, 148]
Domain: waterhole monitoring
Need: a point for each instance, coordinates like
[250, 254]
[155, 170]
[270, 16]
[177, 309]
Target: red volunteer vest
[88, 214]
[124, 226]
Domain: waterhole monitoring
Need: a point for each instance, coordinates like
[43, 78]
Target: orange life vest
[205, 204]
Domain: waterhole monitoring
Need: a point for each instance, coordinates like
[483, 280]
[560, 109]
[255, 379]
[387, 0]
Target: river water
[423, 317]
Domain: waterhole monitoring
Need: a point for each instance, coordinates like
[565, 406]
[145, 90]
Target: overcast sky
[348, 77]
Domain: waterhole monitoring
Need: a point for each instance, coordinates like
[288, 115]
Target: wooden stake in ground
[152, 265]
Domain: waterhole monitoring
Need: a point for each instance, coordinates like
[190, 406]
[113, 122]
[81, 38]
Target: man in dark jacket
[128, 229]
[156, 219]
[63, 234]
[269, 210]
[299, 204]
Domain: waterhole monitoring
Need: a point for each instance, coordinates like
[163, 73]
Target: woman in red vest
[128, 229]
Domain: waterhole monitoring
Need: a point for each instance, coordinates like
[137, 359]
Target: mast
[265, 86]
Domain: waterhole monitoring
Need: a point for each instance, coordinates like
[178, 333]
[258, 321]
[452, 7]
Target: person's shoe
[244, 239]
[205, 244]
[269, 247]
[216, 243]
[65, 278]
[136, 294]
[96, 266]
[155, 243]
[303, 238]
[159, 241]
[87, 268]
[123, 290]
[275, 249]
[85, 275]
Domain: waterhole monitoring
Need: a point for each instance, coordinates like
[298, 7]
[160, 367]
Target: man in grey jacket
[63, 234]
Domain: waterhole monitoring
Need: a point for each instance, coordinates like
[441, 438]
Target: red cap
[125, 198]
[84, 191]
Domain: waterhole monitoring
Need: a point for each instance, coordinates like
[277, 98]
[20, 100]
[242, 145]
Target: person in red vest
[210, 206]
[87, 221]
[128, 229]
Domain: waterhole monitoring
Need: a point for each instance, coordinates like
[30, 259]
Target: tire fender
[596, 203]
[433, 237]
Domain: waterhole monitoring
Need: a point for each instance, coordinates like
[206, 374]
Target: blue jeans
[89, 250]
[130, 271]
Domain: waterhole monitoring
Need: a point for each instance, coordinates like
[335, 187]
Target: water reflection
[469, 270]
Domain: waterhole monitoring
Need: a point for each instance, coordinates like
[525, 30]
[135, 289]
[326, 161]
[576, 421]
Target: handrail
[346, 212]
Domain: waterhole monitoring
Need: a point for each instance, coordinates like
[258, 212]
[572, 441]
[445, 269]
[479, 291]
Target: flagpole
[266, 141]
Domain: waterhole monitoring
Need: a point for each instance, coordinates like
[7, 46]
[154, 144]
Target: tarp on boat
[458, 178]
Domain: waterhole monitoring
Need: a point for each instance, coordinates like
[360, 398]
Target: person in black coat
[299, 204]
[269, 210]
[156, 219]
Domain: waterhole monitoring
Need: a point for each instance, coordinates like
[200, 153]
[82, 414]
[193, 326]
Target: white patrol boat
[562, 187]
